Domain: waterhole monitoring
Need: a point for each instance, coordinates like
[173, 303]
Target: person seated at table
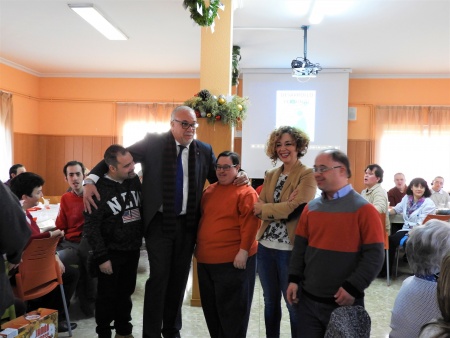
[72, 249]
[438, 195]
[414, 207]
[15, 170]
[416, 302]
[28, 188]
[374, 193]
[440, 327]
[396, 194]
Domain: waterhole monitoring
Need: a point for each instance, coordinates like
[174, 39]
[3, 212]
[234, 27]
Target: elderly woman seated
[441, 326]
[416, 302]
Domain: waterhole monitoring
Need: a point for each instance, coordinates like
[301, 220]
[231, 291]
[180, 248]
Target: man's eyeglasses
[323, 169]
[186, 125]
[225, 167]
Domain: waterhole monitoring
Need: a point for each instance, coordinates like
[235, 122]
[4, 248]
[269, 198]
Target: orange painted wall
[25, 89]
[82, 106]
[365, 94]
[92, 101]
[85, 106]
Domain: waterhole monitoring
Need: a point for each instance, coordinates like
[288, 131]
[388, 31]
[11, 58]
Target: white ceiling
[373, 38]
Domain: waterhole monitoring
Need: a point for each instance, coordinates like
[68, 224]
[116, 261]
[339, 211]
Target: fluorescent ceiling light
[98, 21]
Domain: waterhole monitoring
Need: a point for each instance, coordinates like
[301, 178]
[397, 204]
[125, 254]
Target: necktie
[179, 182]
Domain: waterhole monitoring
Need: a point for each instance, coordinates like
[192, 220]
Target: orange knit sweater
[227, 223]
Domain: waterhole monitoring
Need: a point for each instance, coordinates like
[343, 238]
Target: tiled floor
[379, 301]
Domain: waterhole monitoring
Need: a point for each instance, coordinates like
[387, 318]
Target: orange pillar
[215, 76]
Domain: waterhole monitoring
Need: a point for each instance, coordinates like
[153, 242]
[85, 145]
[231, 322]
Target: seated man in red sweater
[72, 249]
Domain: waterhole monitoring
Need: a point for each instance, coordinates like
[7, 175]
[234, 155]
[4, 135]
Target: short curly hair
[300, 137]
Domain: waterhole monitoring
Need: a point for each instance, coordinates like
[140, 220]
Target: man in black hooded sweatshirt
[114, 231]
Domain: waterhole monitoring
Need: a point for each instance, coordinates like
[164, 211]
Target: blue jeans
[273, 267]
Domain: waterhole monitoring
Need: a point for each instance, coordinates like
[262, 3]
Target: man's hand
[89, 191]
[240, 261]
[241, 179]
[106, 268]
[291, 293]
[343, 298]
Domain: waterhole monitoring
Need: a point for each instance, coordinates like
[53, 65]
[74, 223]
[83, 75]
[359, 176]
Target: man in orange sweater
[226, 249]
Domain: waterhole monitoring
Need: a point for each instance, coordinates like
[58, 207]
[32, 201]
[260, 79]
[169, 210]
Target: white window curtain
[6, 134]
[135, 120]
[413, 140]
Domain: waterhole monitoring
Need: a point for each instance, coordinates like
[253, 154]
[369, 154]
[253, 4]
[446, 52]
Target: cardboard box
[42, 323]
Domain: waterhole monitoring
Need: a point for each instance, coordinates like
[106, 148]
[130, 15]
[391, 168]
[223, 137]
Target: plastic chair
[39, 273]
[386, 247]
[400, 249]
[349, 322]
[445, 218]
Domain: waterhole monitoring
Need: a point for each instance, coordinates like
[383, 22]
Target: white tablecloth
[45, 218]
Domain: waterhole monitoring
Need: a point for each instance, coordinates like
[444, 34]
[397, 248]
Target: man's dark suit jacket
[150, 153]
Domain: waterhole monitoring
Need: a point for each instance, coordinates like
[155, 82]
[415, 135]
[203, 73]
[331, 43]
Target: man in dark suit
[170, 235]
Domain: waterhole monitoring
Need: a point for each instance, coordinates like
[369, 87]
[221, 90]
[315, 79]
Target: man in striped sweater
[338, 247]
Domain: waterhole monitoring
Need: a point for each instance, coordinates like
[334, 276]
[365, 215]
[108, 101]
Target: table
[45, 218]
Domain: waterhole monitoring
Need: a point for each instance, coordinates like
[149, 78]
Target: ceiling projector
[302, 67]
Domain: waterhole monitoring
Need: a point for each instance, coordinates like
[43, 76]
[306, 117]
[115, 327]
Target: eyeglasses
[323, 169]
[186, 125]
[225, 167]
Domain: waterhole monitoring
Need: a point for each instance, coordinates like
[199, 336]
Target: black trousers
[227, 295]
[72, 253]
[170, 257]
[114, 294]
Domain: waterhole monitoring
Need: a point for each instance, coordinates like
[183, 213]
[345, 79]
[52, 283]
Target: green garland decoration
[217, 108]
[235, 58]
[209, 13]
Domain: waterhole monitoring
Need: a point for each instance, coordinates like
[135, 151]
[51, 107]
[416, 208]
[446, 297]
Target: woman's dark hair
[415, 183]
[234, 156]
[25, 183]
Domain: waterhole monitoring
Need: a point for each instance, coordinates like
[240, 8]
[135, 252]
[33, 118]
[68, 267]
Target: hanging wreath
[203, 15]
[229, 110]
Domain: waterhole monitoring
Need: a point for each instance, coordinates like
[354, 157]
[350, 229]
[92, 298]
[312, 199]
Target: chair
[39, 273]
[386, 247]
[349, 322]
[400, 248]
[445, 218]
